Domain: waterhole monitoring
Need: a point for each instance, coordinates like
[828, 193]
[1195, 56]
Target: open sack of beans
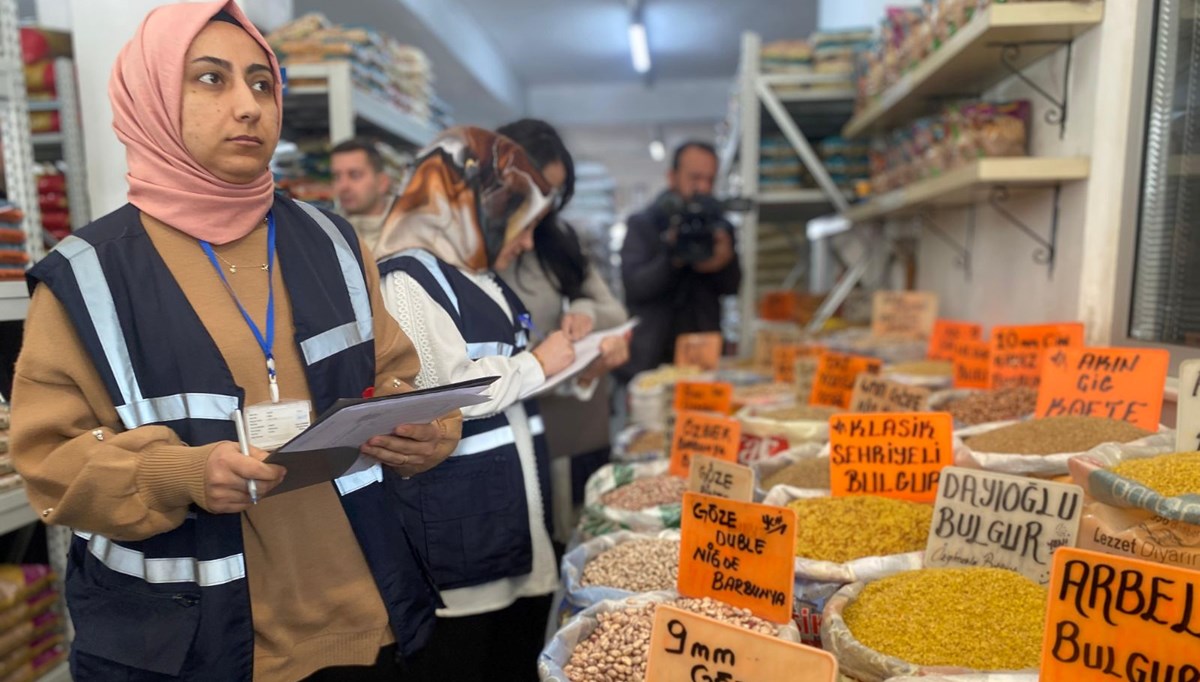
[850, 539]
[619, 565]
[805, 467]
[640, 444]
[931, 374]
[938, 621]
[639, 496]
[1042, 447]
[1165, 484]
[769, 431]
[610, 641]
[976, 408]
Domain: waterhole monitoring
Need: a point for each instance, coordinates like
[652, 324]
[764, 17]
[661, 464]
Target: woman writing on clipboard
[482, 517]
[148, 328]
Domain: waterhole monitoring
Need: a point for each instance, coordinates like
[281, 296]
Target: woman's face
[229, 117]
[512, 250]
[555, 173]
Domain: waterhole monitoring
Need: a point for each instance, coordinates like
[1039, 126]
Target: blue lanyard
[267, 342]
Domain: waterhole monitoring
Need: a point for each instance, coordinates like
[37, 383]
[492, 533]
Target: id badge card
[271, 425]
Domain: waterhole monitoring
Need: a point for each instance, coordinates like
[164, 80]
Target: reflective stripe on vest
[136, 410]
[351, 334]
[165, 570]
[359, 480]
[488, 349]
[497, 437]
[431, 264]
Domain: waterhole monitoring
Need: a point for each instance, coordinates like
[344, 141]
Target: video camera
[695, 220]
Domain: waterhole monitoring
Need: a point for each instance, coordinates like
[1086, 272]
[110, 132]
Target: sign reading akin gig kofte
[898, 455]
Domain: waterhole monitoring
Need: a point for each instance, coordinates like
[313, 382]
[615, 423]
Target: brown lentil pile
[922, 368]
[1168, 475]
[842, 529]
[646, 492]
[617, 649]
[979, 618]
[799, 413]
[1056, 434]
[993, 406]
[810, 472]
[646, 442]
[636, 566]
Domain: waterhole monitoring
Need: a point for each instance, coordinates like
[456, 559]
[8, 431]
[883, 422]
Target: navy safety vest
[176, 606]
[470, 514]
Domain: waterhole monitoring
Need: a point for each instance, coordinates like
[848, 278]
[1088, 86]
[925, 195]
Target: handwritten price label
[947, 334]
[973, 365]
[783, 360]
[688, 646]
[836, 374]
[696, 433]
[1017, 351]
[891, 455]
[908, 314]
[716, 477]
[699, 350]
[740, 553]
[704, 397]
[874, 394]
[1117, 383]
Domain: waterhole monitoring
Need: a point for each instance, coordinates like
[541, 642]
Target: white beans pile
[646, 492]
[617, 649]
[636, 566]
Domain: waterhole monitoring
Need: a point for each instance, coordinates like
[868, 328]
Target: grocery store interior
[600, 341]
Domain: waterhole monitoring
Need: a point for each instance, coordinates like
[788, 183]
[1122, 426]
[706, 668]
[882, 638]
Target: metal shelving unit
[69, 143]
[14, 130]
[800, 107]
[323, 96]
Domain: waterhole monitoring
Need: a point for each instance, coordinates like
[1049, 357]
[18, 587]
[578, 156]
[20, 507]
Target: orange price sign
[688, 646]
[699, 350]
[903, 313]
[1017, 351]
[947, 334]
[1118, 383]
[783, 360]
[1113, 618]
[898, 455]
[704, 397]
[973, 364]
[836, 373]
[778, 306]
[697, 433]
[740, 553]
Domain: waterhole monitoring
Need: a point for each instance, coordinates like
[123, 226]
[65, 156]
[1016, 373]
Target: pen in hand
[244, 444]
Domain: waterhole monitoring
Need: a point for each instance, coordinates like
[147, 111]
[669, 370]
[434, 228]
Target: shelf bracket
[1045, 251]
[1010, 55]
[962, 252]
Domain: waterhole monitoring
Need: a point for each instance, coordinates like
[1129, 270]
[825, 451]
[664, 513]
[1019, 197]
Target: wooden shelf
[970, 61]
[968, 184]
[15, 511]
[14, 301]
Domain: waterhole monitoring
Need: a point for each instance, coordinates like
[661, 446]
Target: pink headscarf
[146, 91]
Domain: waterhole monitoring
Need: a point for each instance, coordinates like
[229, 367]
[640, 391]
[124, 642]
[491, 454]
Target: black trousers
[386, 669]
[501, 645]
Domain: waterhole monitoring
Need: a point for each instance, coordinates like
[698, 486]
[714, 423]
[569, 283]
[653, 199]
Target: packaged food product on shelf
[1043, 447]
[580, 651]
[943, 620]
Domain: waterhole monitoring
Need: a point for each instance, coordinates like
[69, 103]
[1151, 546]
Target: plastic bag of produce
[557, 653]
[579, 596]
[1124, 487]
[1046, 466]
[857, 661]
[1139, 534]
[639, 444]
[769, 431]
[795, 468]
[601, 515]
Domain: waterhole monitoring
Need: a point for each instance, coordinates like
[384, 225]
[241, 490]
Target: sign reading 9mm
[899, 455]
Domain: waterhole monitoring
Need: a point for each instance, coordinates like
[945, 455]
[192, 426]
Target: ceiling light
[639, 48]
[658, 151]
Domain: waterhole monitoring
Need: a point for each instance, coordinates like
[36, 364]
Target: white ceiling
[577, 41]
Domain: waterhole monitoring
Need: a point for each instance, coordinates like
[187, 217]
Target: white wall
[1006, 285]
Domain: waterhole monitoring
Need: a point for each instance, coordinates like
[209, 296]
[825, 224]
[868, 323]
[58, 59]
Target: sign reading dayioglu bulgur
[688, 646]
[1112, 618]
[899, 455]
[740, 553]
[982, 518]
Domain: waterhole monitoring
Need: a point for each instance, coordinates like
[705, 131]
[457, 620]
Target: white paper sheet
[587, 350]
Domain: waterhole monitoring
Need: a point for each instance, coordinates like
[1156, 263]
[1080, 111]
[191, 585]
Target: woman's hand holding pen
[576, 326]
[227, 474]
[555, 354]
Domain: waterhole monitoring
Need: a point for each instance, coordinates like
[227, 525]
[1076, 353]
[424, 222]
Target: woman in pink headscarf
[208, 297]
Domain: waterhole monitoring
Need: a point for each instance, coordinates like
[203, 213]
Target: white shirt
[444, 360]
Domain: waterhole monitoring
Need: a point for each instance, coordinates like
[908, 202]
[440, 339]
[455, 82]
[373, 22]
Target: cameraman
[675, 284]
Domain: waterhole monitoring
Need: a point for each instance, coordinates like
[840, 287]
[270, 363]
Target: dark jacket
[668, 300]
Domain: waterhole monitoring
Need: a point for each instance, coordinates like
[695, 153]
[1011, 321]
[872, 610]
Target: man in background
[362, 188]
[671, 288]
